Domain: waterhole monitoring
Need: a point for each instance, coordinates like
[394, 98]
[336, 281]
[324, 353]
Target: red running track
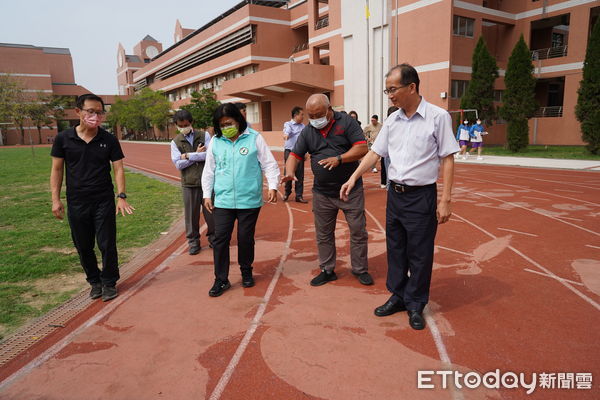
[516, 287]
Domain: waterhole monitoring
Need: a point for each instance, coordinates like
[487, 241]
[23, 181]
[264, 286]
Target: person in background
[476, 133]
[354, 115]
[335, 143]
[418, 139]
[463, 135]
[371, 132]
[87, 151]
[236, 159]
[242, 108]
[188, 153]
[291, 131]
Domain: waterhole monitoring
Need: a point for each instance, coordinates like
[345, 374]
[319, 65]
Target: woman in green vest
[236, 160]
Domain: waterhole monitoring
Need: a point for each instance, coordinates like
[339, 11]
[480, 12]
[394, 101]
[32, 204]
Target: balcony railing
[300, 47]
[552, 52]
[322, 22]
[548, 112]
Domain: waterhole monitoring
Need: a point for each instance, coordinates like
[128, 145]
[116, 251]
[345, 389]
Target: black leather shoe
[365, 278]
[109, 293]
[390, 307]
[96, 291]
[218, 288]
[194, 250]
[247, 278]
[323, 278]
[299, 199]
[286, 197]
[416, 320]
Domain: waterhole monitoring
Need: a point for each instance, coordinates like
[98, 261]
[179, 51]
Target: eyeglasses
[393, 89]
[92, 112]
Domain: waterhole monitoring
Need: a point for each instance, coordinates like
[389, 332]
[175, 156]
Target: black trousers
[224, 222]
[411, 225]
[95, 221]
[299, 184]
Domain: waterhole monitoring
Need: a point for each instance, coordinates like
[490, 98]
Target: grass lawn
[39, 267]
[566, 152]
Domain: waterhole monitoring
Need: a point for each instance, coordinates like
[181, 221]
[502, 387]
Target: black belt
[400, 188]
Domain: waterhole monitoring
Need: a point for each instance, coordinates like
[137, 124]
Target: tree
[480, 93]
[587, 109]
[11, 100]
[146, 109]
[202, 107]
[519, 96]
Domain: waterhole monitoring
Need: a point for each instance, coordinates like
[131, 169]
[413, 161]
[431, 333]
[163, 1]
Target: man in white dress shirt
[416, 138]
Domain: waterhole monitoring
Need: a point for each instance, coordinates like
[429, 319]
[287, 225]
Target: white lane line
[519, 232]
[571, 218]
[536, 212]
[297, 209]
[453, 250]
[564, 183]
[537, 191]
[431, 324]
[546, 270]
[565, 190]
[593, 247]
[220, 388]
[110, 307]
[153, 171]
[553, 277]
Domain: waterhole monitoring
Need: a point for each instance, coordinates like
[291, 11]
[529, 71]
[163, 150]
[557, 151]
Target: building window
[463, 26]
[458, 89]
[252, 112]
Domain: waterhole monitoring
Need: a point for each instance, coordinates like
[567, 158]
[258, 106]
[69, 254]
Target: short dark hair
[375, 117]
[88, 96]
[296, 110]
[240, 106]
[391, 110]
[183, 115]
[408, 75]
[231, 111]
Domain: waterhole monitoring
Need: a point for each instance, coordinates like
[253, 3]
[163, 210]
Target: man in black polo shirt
[336, 143]
[87, 150]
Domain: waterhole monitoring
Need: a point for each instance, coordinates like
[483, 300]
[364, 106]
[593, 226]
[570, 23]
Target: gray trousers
[326, 210]
[192, 202]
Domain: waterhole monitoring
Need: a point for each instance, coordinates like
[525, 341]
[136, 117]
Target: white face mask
[478, 122]
[466, 122]
[185, 130]
[319, 123]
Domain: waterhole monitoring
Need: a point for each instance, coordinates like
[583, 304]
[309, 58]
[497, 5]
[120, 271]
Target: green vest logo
[244, 151]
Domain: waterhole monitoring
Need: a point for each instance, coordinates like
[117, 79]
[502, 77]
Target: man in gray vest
[188, 152]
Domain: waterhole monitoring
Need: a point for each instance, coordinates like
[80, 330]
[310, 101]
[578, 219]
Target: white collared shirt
[415, 146]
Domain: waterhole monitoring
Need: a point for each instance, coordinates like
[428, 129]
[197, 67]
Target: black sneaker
[247, 279]
[365, 278]
[194, 250]
[218, 288]
[109, 293]
[96, 291]
[323, 278]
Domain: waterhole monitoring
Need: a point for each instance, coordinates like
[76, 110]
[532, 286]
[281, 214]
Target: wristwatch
[339, 158]
[122, 195]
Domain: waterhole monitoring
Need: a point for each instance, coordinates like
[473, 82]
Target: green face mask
[229, 131]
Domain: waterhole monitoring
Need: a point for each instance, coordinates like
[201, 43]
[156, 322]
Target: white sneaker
[480, 158]
[374, 170]
[382, 186]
